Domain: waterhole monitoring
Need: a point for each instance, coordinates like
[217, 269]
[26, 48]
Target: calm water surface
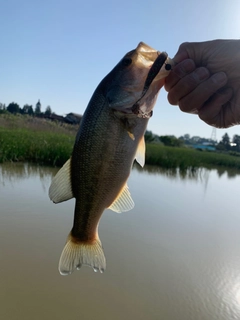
[175, 256]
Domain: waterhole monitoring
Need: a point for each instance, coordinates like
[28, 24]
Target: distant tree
[171, 141]
[2, 107]
[13, 107]
[236, 139]
[148, 136]
[38, 108]
[226, 140]
[186, 136]
[30, 111]
[27, 109]
[224, 144]
[48, 111]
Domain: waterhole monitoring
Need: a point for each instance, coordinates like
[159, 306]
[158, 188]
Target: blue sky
[59, 50]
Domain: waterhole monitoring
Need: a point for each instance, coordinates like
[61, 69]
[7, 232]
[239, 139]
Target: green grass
[41, 147]
[18, 121]
[187, 158]
[24, 138]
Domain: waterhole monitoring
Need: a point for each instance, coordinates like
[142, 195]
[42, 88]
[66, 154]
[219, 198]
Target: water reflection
[173, 173]
[10, 172]
[175, 256]
[13, 172]
[186, 174]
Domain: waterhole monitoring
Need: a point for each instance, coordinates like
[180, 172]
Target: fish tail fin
[77, 253]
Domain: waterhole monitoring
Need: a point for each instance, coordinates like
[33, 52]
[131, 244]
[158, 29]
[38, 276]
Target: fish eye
[126, 61]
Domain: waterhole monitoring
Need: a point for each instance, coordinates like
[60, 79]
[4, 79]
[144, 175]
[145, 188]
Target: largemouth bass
[110, 137]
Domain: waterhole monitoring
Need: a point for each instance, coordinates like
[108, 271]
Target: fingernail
[219, 78]
[202, 73]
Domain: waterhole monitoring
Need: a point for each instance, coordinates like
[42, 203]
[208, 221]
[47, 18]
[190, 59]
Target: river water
[175, 256]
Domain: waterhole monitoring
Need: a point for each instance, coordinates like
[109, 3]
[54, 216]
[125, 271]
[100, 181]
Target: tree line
[14, 108]
[225, 144]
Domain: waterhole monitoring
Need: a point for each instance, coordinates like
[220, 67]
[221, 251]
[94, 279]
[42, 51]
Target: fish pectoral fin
[60, 189]
[140, 154]
[123, 202]
[131, 135]
[75, 254]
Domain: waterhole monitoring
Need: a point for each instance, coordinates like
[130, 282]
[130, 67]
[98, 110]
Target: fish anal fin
[140, 154]
[123, 202]
[60, 189]
[76, 253]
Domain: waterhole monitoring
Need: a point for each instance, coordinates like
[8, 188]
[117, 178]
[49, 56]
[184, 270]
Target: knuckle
[201, 74]
[188, 84]
[183, 45]
[219, 79]
[184, 68]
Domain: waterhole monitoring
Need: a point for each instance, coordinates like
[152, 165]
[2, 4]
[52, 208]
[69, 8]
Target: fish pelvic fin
[77, 253]
[140, 154]
[60, 189]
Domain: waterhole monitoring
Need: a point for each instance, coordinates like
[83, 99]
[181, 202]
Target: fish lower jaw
[133, 112]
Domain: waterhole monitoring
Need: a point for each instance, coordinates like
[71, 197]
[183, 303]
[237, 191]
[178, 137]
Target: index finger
[178, 72]
[181, 54]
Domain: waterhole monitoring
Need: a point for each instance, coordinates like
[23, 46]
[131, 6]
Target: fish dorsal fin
[140, 154]
[123, 202]
[60, 189]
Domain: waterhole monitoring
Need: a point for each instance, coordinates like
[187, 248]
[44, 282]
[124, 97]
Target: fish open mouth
[154, 70]
[152, 74]
[142, 74]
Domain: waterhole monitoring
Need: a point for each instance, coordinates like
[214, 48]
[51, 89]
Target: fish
[109, 139]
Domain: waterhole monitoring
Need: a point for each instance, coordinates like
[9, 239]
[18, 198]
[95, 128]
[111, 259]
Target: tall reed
[187, 158]
[24, 138]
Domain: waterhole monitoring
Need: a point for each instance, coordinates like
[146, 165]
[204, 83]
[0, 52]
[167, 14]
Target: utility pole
[214, 135]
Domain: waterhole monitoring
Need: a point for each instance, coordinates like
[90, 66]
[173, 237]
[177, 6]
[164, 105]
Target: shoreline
[26, 138]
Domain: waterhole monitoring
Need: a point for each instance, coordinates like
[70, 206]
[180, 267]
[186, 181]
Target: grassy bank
[24, 138]
[41, 147]
[31, 139]
[187, 158]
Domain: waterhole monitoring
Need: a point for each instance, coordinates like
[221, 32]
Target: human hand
[206, 81]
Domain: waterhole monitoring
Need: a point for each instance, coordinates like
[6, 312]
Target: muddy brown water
[175, 256]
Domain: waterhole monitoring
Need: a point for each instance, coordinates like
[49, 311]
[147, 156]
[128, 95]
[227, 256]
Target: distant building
[54, 116]
[203, 147]
[73, 118]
